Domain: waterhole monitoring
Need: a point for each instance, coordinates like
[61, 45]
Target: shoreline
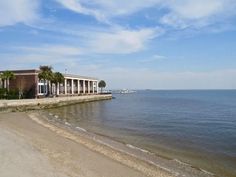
[128, 156]
[30, 148]
[174, 166]
[99, 145]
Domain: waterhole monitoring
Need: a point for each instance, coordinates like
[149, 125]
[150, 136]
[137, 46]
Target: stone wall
[35, 104]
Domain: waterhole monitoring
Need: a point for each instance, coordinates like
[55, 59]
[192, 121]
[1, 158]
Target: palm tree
[46, 74]
[57, 79]
[102, 84]
[1, 80]
[7, 76]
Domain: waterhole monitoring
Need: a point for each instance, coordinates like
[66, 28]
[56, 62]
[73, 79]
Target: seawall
[44, 103]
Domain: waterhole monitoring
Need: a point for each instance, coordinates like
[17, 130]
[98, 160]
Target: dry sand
[30, 147]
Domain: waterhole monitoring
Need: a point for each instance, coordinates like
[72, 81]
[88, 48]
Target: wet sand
[29, 146]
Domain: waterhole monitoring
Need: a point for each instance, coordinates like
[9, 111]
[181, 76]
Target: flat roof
[26, 71]
[78, 76]
[23, 71]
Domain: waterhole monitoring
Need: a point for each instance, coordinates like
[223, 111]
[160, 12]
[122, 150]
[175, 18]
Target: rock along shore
[44, 103]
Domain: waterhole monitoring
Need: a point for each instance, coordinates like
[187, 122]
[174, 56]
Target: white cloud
[200, 13]
[178, 14]
[196, 9]
[103, 9]
[76, 6]
[109, 40]
[122, 41]
[112, 41]
[18, 11]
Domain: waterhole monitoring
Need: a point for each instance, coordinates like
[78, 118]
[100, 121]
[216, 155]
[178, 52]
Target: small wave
[207, 172]
[81, 129]
[182, 163]
[140, 149]
[186, 164]
[133, 155]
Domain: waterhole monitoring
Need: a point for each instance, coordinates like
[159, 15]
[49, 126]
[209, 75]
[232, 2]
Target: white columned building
[89, 85]
[27, 81]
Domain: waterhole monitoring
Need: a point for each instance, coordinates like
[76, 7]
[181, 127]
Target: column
[72, 86]
[83, 86]
[97, 86]
[58, 87]
[78, 85]
[88, 87]
[93, 86]
[65, 86]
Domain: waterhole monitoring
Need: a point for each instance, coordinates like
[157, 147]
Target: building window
[42, 88]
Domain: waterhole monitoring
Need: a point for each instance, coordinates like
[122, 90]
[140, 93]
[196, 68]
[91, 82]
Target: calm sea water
[196, 127]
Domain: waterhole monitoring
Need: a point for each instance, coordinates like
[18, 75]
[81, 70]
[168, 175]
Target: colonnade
[76, 86]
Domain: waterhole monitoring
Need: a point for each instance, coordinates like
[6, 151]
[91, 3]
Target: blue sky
[137, 44]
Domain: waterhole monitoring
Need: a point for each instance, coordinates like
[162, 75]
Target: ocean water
[195, 127]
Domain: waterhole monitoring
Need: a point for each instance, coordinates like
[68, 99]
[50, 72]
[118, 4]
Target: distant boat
[126, 91]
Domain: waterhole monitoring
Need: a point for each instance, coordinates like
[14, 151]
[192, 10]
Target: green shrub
[3, 93]
[29, 93]
[13, 94]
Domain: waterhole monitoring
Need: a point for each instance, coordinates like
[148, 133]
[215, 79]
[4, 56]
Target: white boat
[125, 91]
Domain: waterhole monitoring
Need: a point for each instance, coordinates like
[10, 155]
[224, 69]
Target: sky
[135, 44]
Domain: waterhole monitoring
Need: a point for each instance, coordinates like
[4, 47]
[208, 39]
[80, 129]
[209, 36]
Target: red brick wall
[27, 83]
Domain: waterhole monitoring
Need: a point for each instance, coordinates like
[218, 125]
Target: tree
[1, 80]
[46, 74]
[57, 79]
[101, 85]
[7, 76]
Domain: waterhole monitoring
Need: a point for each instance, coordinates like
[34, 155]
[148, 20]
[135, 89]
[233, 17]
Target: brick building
[27, 82]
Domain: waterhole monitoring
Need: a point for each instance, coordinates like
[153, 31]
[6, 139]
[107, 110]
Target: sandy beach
[31, 147]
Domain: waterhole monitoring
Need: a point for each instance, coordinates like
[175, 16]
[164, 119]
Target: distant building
[28, 82]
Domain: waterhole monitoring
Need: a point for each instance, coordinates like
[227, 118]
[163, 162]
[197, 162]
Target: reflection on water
[198, 127]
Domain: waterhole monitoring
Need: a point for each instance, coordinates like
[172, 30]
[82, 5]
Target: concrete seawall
[44, 103]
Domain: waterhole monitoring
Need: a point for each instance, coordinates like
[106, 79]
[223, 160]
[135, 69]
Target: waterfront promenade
[34, 104]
